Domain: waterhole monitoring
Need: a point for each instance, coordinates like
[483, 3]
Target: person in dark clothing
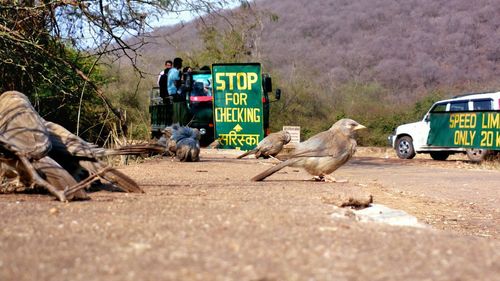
[163, 80]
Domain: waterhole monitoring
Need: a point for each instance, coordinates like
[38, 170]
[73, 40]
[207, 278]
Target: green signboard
[465, 129]
[238, 113]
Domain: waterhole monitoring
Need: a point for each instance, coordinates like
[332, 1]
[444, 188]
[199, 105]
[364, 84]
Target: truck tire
[404, 148]
[477, 154]
[439, 155]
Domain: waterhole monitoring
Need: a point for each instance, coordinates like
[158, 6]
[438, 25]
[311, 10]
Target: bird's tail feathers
[274, 169]
[58, 177]
[185, 132]
[122, 181]
[136, 149]
[113, 176]
[246, 153]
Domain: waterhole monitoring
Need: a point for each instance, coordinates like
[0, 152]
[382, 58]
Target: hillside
[380, 62]
[404, 45]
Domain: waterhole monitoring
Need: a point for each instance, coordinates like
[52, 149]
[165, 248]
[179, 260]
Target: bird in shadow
[83, 159]
[24, 149]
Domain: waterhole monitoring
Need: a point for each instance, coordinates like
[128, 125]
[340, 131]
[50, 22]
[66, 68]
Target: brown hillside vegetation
[379, 62]
[406, 45]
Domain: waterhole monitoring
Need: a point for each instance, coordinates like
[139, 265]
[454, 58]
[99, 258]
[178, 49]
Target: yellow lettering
[491, 121]
[236, 98]
[244, 97]
[494, 120]
[252, 79]
[229, 97]
[472, 135]
[463, 120]
[464, 137]
[473, 120]
[452, 121]
[241, 80]
[231, 75]
[257, 115]
[234, 114]
[235, 80]
[230, 114]
[487, 138]
[219, 82]
[218, 114]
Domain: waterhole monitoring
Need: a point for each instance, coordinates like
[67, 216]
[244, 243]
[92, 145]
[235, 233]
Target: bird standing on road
[269, 146]
[185, 142]
[323, 153]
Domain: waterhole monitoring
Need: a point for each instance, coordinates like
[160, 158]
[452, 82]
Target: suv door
[425, 125]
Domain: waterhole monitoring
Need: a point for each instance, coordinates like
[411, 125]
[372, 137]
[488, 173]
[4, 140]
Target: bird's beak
[359, 127]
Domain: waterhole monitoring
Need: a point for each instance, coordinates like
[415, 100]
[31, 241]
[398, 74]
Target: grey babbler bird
[24, 148]
[83, 159]
[187, 143]
[167, 141]
[323, 153]
[270, 145]
[36, 152]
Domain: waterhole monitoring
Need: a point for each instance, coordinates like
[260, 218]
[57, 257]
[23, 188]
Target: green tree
[52, 51]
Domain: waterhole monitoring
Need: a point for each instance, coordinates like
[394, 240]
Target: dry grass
[459, 160]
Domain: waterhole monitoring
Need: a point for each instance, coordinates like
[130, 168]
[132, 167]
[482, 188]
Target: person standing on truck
[186, 80]
[174, 92]
[163, 80]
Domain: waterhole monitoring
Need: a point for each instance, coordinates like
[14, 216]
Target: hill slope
[404, 45]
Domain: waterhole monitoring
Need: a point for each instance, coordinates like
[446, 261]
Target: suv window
[482, 104]
[459, 106]
[440, 107]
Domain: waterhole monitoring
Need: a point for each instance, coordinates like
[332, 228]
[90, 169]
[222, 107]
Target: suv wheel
[439, 155]
[404, 148]
[477, 154]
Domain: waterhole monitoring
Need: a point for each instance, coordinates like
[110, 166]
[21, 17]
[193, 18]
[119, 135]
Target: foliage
[381, 63]
[303, 104]
[235, 40]
[123, 88]
[52, 51]
[314, 108]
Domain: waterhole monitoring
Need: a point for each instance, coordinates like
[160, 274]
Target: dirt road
[208, 221]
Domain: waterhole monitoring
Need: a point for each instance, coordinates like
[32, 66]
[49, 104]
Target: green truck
[230, 103]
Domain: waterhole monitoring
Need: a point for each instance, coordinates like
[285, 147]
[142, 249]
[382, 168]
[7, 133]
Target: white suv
[409, 139]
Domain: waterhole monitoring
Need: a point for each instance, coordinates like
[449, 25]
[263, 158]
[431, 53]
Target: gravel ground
[208, 221]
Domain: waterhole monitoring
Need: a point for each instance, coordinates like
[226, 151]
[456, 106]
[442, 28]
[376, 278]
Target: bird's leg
[35, 177]
[318, 178]
[328, 178]
[276, 160]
